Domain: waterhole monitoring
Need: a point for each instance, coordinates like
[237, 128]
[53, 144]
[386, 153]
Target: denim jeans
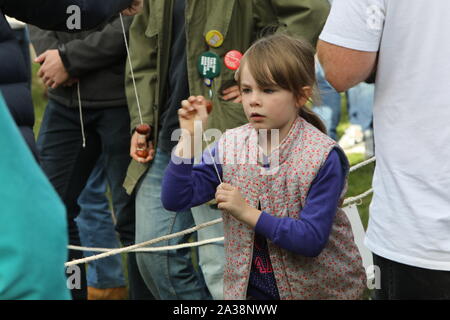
[359, 104]
[96, 228]
[211, 256]
[170, 275]
[404, 282]
[329, 109]
[68, 166]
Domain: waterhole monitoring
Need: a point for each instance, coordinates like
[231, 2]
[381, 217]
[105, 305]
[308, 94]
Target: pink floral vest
[337, 273]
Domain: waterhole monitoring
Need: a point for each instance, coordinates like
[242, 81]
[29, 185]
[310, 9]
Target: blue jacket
[46, 15]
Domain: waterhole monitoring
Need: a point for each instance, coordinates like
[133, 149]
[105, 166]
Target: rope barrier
[362, 164]
[143, 244]
[139, 247]
[351, 200]
[166, 248]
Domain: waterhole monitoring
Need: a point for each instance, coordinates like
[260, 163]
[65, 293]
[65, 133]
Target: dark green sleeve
[144, 60]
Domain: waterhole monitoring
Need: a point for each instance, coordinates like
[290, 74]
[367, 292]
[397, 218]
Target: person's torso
[409, 214]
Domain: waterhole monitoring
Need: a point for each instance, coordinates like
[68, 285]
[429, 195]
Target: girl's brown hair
[286, 62]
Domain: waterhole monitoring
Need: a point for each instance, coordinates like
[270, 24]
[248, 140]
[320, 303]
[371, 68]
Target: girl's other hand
[193, 111]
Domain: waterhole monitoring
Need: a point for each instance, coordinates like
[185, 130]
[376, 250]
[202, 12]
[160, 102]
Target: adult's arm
[350, 41]
[98, 50]
[54, 14]
[344, 68]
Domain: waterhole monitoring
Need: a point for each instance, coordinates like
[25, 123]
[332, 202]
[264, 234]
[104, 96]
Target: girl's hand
[192, 112]
[229, 198]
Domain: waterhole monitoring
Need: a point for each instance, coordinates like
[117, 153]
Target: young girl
[285, 237]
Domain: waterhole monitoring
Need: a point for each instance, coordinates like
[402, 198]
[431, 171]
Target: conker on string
[142, 153]
[143, 131]
[209, 107]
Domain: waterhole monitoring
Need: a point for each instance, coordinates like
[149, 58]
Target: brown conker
[143, 129]
[142, 153]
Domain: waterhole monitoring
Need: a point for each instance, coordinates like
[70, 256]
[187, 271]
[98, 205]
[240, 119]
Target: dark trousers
[404, 282]
[68, 166]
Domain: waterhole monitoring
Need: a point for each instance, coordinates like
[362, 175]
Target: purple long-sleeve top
[186, 185]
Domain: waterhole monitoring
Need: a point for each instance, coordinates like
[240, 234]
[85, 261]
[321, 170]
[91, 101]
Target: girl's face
[268, 108]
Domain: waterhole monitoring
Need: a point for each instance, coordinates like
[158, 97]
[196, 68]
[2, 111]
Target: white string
[214, 161]
[131, 68]
[362, 164]
[81, 115]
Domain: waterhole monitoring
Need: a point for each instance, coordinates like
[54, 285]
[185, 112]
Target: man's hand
[232, 93]
[134, 146]
[229, 198]
[52, 70]
[134, 8]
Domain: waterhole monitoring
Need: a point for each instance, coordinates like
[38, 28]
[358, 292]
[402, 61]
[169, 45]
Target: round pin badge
[232, 59]
[207, 82]
[214, 38]
[209, 65]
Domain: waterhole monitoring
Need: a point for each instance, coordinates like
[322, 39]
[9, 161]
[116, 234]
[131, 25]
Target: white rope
[358, 198]
[131, 69]
[166, 248]
[362, 164]
[143, 244]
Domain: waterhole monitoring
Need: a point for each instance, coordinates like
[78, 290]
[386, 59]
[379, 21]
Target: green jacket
[240, 22]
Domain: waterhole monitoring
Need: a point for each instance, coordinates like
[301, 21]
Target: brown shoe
[120, 293]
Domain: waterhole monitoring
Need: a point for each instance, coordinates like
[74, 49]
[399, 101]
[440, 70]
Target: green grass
[39, 99]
